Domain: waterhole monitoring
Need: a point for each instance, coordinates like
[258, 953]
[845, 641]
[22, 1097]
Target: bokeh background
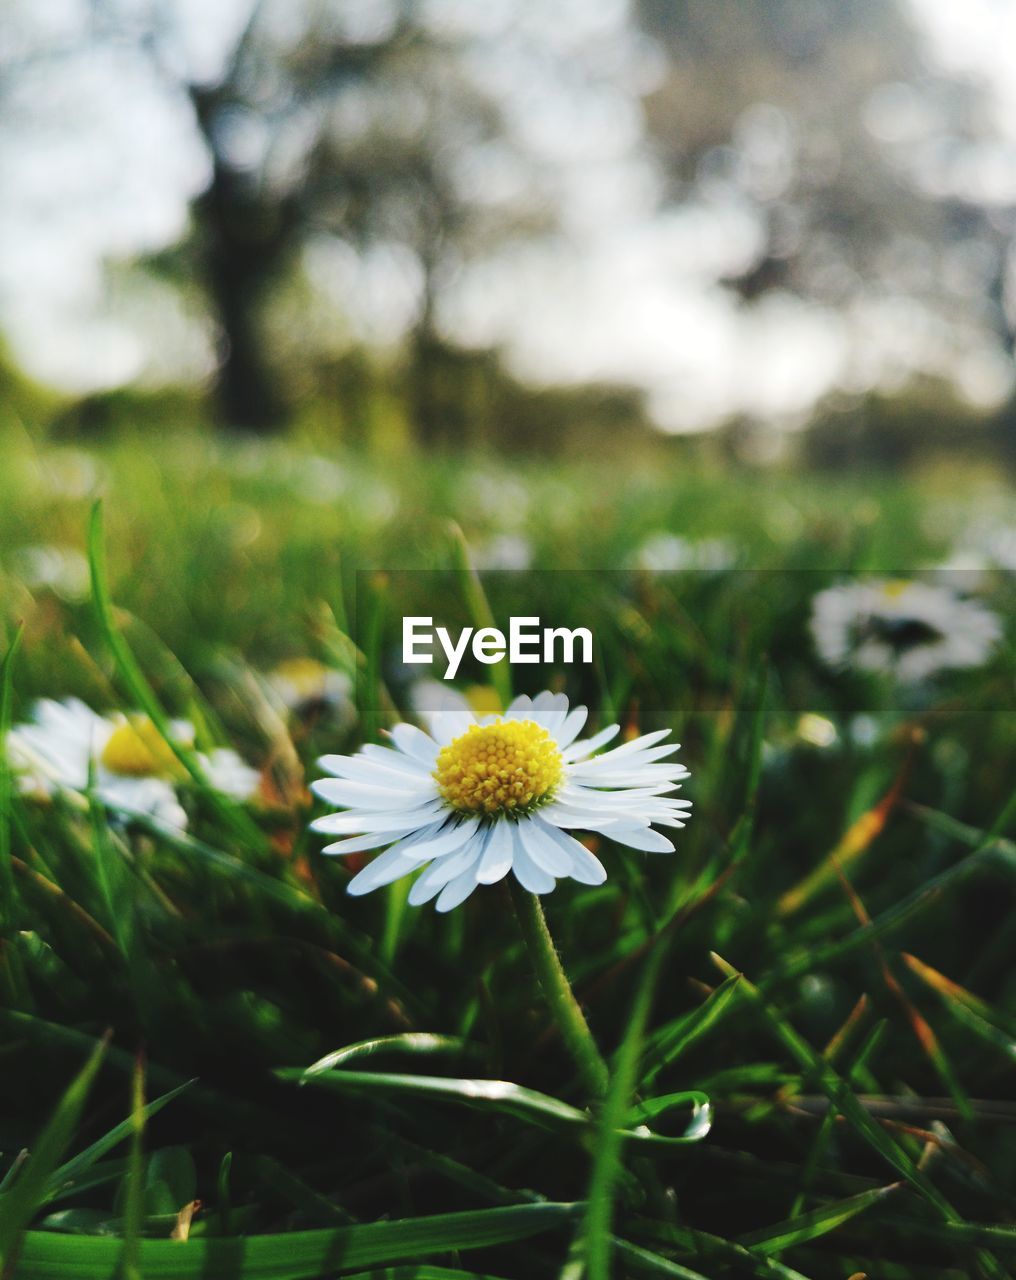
[772, 231]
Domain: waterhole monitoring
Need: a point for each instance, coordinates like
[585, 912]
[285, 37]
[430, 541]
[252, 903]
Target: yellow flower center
[509, 767]
[137, 749]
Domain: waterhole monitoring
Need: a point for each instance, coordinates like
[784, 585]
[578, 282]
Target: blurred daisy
[477, 798]
[304, 684]
[62, 570]
[505, 551]
[135, 770]
[669, 553]
[902, 628]
[988, 544]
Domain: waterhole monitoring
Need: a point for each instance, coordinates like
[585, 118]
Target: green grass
[808, 1013]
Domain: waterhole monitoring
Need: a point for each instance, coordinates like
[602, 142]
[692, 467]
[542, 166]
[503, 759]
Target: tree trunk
[243, 239]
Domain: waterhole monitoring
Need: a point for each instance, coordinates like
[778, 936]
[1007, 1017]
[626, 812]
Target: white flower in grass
[908, 629]
[477, 798]
[134, 769]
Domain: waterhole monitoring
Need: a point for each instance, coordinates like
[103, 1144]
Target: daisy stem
[557, 990]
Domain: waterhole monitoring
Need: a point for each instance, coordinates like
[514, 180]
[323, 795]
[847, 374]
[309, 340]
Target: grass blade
[679, 1036]
[294, 1255]
[594, 1239]
[7, 898]
[819, 1222]
[141, 691]
[28, 1194]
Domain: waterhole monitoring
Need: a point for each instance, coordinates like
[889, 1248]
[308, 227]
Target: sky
[101, 159]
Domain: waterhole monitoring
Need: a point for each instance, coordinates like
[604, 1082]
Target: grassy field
[808, 1010]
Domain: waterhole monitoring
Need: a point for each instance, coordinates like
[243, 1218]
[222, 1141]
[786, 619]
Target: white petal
[372, 840]
[415, 743]
[448, 725]
[618, 758]
[370, 769]
[360, 822]
[383, 870]
[439, 841]
[439, 874]
[562, 815]
[543, 848]
[423, 890]
[497, 856]
[361, 796]
[638, 746]
[393, 759]
[579, 796]
[571, 726]
[609, 780]
[357, 844]
[457, 892]
[586, 867]
[526, 872]
[519, 708]
[636, 836]
[586, 746]
[442, 870]
[445, 870]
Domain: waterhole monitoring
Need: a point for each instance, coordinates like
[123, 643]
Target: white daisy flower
[903, 628]
[135, 770]
[477, 798]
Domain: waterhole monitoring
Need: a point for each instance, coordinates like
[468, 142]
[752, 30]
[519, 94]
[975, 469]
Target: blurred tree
[826, 118]
[358, 160]
[265, 121]
[921, 425]
[769, 101]
[344, 122]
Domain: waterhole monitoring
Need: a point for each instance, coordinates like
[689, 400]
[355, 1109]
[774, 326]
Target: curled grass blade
[497, 1095]
[412, 1042]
